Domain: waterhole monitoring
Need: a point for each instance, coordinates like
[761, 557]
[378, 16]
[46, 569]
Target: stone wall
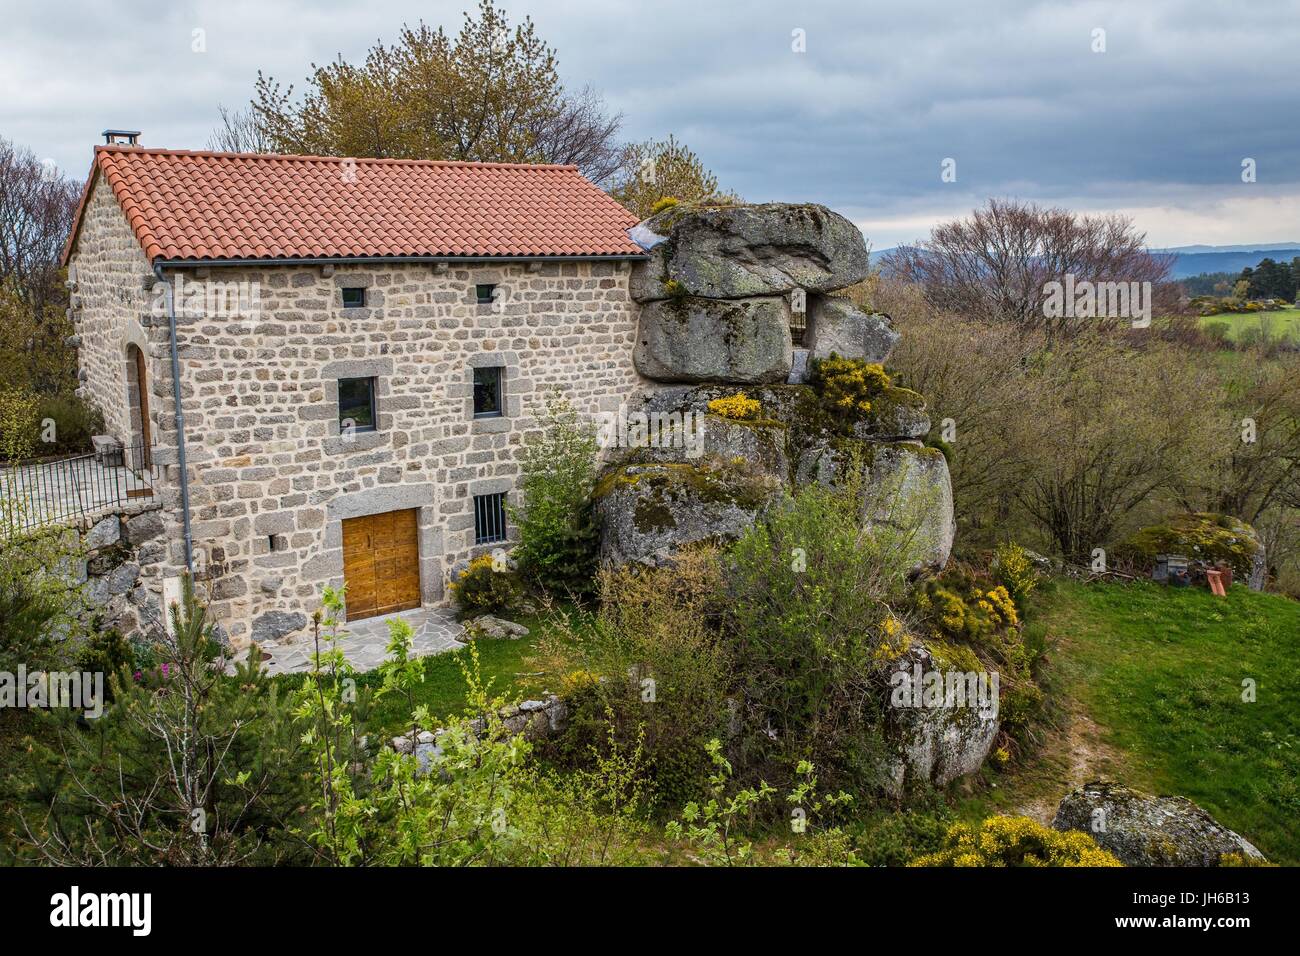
[110, 288]
[120, 569]
[271, 478]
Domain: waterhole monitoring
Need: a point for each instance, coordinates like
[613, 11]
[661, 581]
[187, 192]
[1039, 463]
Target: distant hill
[1194, 260]
[1194, 263]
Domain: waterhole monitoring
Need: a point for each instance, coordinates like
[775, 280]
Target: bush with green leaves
[477, 801]
[72, 422]
[846, 387]
[812, 625]
[40, 606]
[715, 828]
[195, 767]
[486, 586]
[1013, 569]
[556, 524]
[648, 668]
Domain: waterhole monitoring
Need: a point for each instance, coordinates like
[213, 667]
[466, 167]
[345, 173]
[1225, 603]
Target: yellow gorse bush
[847, 385]
[1016, 841]
[737, 407]
[1013, 568]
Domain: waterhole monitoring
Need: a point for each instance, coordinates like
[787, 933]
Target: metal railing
[75, 488]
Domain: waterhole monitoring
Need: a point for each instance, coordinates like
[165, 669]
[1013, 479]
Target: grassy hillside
[1284, 323]
[1155, 676]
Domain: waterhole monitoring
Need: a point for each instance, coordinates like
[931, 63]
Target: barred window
[490, 518]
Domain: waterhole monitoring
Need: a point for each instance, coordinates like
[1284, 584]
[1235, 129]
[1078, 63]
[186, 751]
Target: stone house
[332, 363]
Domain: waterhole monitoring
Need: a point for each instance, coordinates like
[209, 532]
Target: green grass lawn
[503, 663]
[1161, 671]
[1283, 323]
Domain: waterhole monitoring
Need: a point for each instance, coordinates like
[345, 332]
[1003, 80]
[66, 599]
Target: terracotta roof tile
[214, 206]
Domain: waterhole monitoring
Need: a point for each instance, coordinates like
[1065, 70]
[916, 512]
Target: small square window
[485, 293]
[354, 297]
[490, 518]
[357, 405]
[487, 391]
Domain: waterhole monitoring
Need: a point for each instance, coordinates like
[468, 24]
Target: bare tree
[581, 133]
[995, 265]
[239, 132]
[37, 203]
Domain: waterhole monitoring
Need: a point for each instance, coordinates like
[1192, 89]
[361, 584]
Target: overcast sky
[1156, 126]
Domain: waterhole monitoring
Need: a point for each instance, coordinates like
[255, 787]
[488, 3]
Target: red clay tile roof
[204, 206]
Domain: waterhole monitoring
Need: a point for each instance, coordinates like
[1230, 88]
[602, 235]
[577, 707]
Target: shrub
[39, 606]
[486, 586]
[75, 421]
[1013, 569]
[1016, 841]
[106, 652]
[666, 202]
[738, 407]
[962, 609]
[897, 838]
[846, 386]
[714, 826]
[811, 625]
[648, 667]
[199, 768]
[557, 530]
[475, 800]
[19, 423]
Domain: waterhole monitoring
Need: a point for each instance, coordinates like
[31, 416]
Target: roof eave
[368, 260]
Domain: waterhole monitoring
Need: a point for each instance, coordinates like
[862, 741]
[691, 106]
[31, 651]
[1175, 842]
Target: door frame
[141, 407]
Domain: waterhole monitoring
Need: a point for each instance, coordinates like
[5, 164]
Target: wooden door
[142, 409]
[381, 563]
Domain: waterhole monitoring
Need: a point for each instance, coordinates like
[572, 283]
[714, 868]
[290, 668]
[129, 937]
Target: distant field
[1284, 323]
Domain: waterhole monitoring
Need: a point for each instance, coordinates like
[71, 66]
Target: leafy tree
[1270, 280]
[33, 327]
[661, 169]
[557, 532]
[492, 93]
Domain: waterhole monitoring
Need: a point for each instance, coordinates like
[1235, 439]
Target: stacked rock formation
[718, 297]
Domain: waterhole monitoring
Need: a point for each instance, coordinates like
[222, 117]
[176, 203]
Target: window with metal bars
[798, 328]
[490, 518]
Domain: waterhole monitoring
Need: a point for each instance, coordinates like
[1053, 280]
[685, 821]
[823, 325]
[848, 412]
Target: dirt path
[1081, 755]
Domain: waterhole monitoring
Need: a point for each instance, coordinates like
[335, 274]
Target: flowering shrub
[737, 407]
[1014, 571]
[967, 609]
[1016, 841]
[846, 386]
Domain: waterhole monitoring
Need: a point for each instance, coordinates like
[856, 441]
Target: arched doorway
[137, 378]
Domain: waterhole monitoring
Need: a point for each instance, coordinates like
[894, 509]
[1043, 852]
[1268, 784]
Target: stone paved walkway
[79, 486]
[364, 643]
